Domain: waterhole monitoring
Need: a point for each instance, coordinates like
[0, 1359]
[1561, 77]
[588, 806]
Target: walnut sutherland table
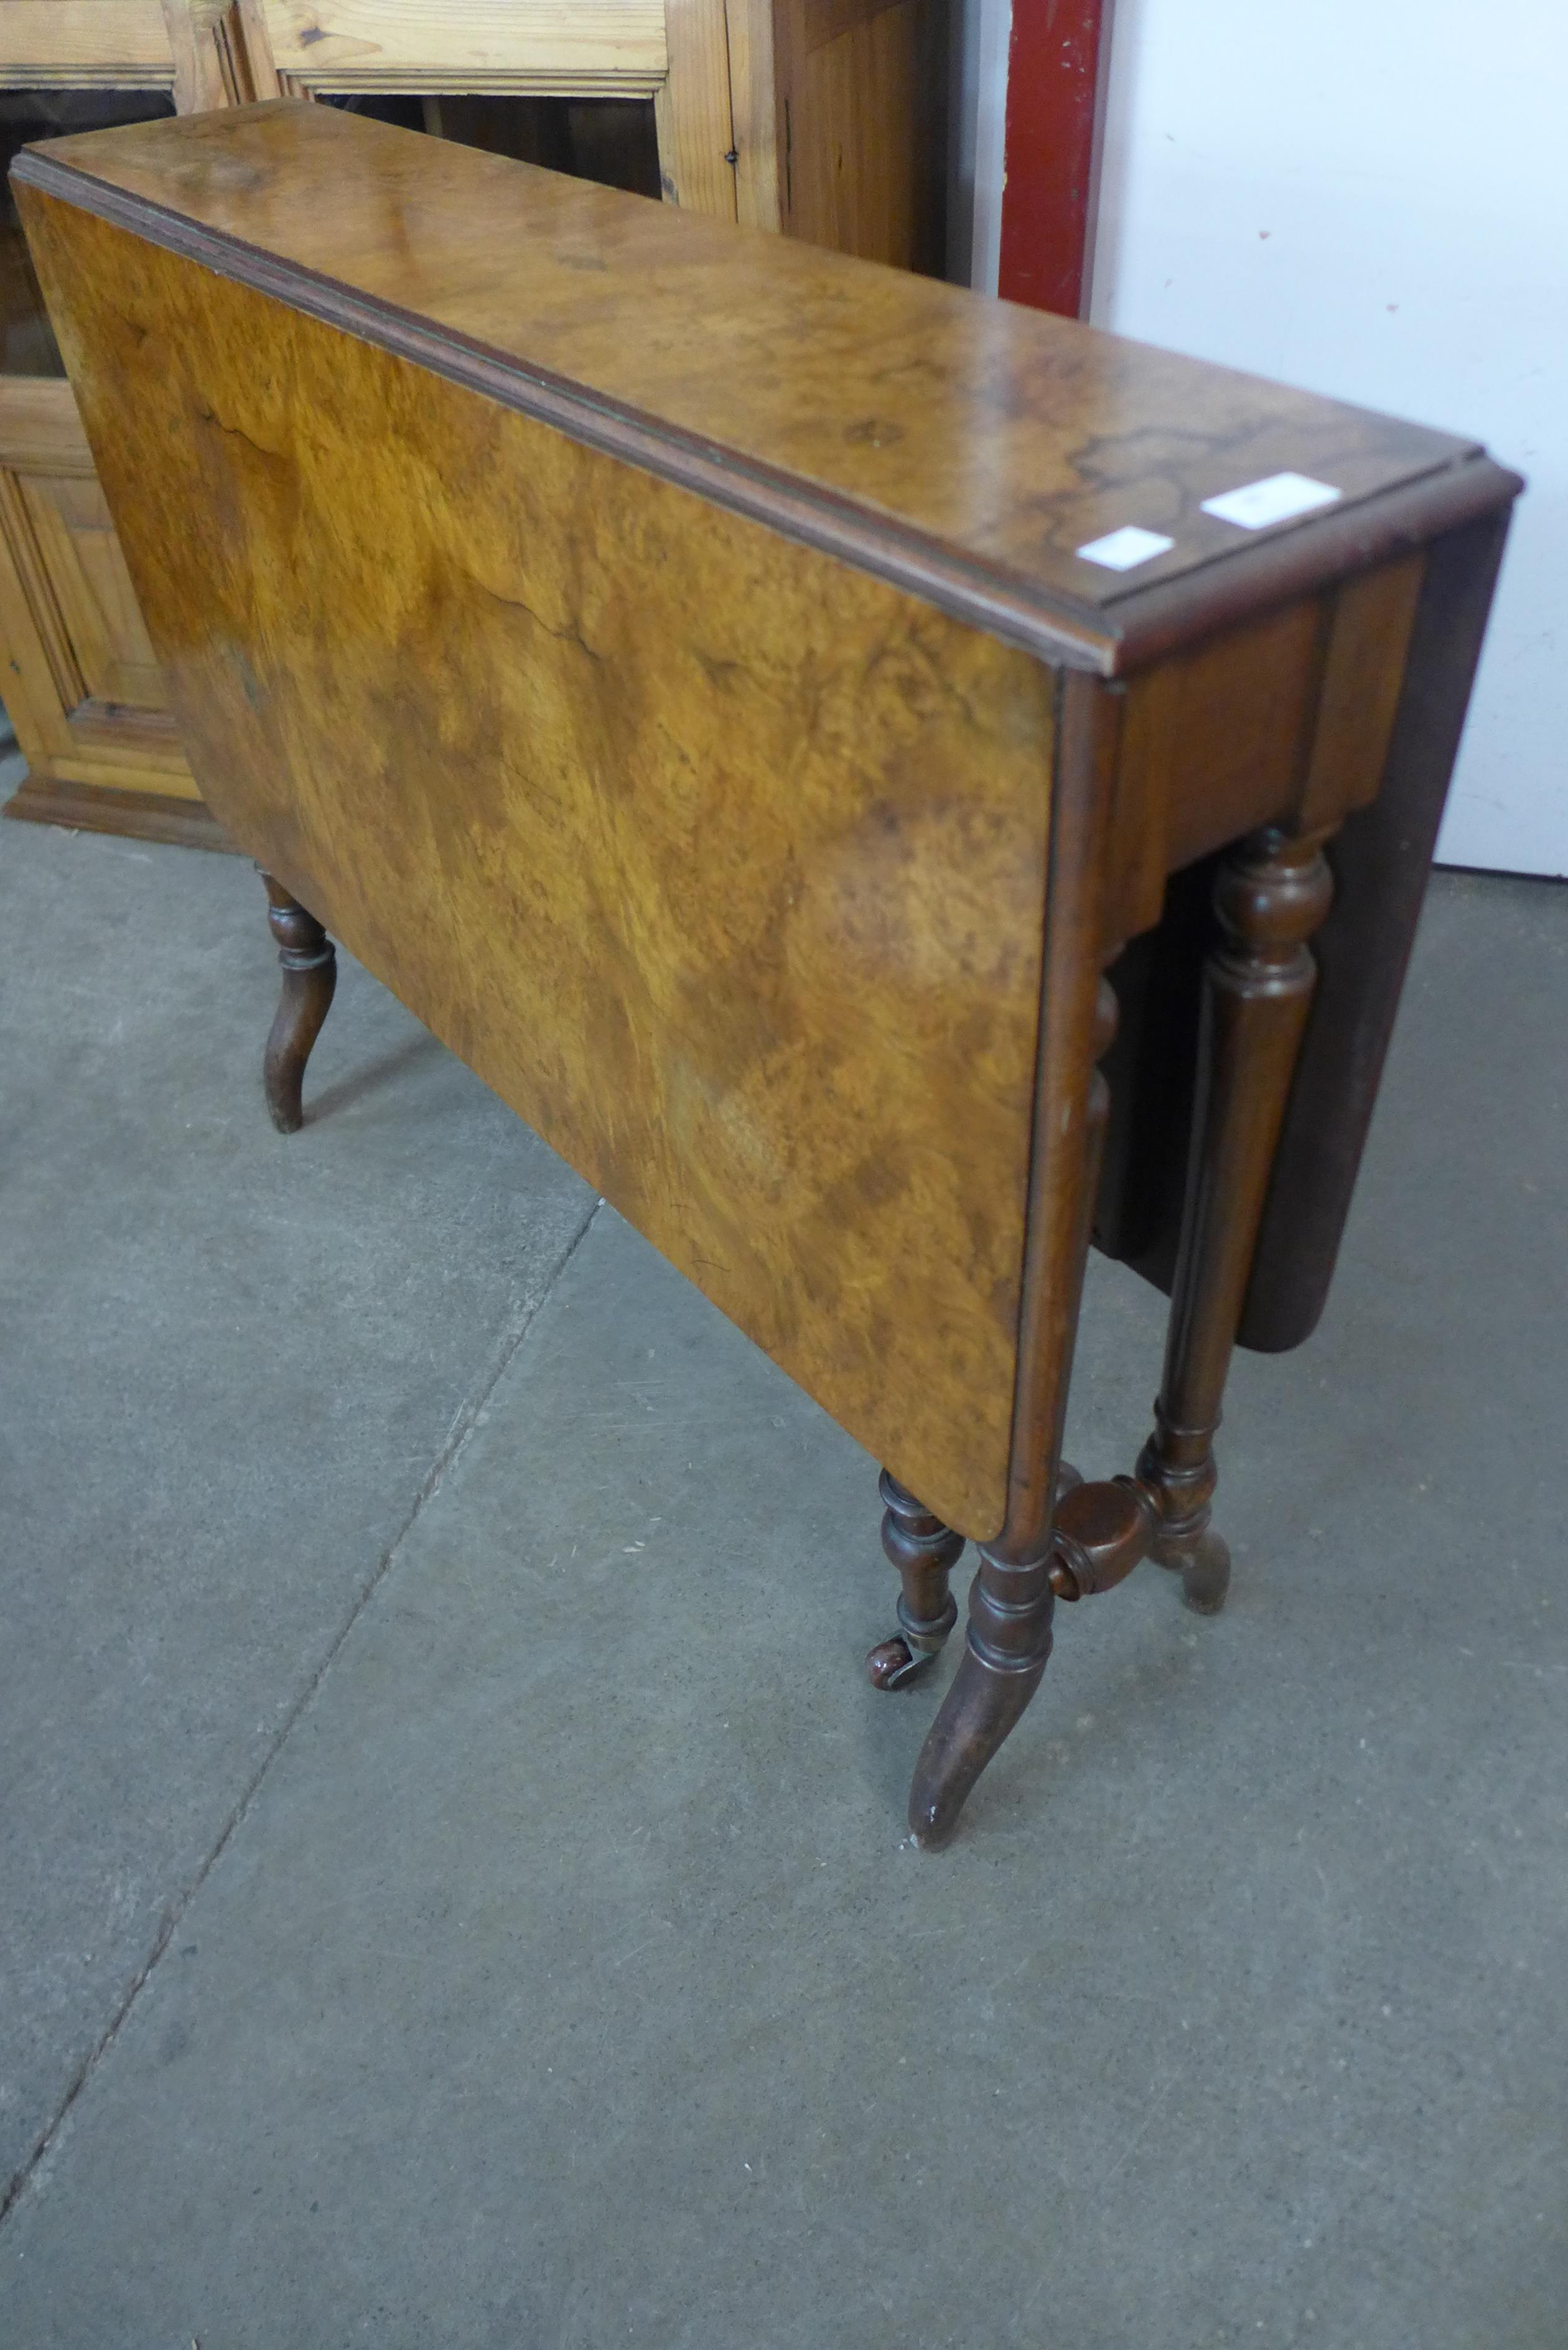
[775, 718]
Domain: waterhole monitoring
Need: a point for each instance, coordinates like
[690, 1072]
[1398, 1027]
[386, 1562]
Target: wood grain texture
[823, 21]
[1285, 717]
[863, 91]
[964, 447]
[568, 46]
[80, 682]
[694, 111]
[69, 523]
[249, 21]
[198, 56]
[86, 43]
[41, 427]
[139, 815]
[722, 863]
[214, 42]
[1366, 641]
[1219, 730]
[754, 98]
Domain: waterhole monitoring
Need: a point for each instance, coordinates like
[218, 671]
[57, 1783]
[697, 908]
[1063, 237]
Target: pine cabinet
[824, 118]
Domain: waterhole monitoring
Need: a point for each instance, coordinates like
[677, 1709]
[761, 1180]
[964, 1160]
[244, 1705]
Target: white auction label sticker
[1281, 498]
[1123, 549]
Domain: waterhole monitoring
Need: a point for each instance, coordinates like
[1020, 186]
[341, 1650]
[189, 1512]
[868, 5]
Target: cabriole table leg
[309, 964]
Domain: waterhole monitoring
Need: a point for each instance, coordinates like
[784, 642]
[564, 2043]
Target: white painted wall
[981, 31]
[1369, 198]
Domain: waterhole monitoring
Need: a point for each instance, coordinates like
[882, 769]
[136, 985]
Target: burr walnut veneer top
[960, 447]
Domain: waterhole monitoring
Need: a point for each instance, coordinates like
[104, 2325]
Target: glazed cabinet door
[76, 673]
[574, 47]
[706, 65]
[85, 45]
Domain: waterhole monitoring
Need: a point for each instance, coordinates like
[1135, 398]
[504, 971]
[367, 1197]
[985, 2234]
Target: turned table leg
[925, 1552]
[309, 964]
[1272, 894]
[1014, 1593]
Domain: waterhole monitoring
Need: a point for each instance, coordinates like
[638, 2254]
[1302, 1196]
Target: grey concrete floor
[454, 1880]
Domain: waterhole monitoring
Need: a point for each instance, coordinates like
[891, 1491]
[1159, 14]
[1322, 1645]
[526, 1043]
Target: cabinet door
[862, 93]
[76, 673]
[79, 679]
[717, 143]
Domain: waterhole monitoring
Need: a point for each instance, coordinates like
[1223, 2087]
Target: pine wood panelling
[221, 55]
[82, 43]
[563, 46]
[754, 102]
[863, 97]
[80, 683]
[696, 119]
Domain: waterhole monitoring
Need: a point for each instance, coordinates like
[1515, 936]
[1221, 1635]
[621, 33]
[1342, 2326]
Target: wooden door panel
[80, 682]
[102, 624]
[862, 92]
[84, 42]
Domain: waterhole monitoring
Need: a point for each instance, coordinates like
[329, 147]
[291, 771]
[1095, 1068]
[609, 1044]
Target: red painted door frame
[1056, 67]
